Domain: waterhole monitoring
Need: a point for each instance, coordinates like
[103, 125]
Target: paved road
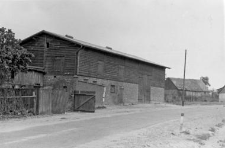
[74, 133]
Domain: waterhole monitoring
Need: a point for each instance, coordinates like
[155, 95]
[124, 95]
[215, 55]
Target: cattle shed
[195, 90]
[126, 78]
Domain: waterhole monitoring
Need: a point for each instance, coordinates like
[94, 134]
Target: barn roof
[190, 84]
[221, 90]
[93, 46]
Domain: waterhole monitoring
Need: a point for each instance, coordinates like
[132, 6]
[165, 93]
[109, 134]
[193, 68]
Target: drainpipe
[45, 50]
[78, 58]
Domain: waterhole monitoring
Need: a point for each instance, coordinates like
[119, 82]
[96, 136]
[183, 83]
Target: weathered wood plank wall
[88, 66]
[29, 78]
[47, 56]
[45, 101]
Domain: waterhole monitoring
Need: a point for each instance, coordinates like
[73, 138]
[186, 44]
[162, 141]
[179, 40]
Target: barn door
[141, 90]
[84, 102]
[144, 89]
[120, 95]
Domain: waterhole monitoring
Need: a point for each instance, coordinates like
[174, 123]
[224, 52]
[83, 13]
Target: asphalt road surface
[74, 133]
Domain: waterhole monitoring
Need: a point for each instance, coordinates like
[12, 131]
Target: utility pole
[184, 78]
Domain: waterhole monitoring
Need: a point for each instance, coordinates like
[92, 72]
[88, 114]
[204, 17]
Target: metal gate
[84, 102]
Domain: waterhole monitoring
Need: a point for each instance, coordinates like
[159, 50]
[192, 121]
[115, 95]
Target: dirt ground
[203, 130]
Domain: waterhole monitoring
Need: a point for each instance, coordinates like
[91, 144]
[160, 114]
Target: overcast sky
[157, 30]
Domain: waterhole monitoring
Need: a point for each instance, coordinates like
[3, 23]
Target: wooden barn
[127, 79]
[195, 90]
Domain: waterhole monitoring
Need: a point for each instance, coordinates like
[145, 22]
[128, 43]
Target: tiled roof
[190, 84]
[96, 47]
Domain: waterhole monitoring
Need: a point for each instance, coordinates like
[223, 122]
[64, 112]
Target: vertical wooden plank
[59, 101]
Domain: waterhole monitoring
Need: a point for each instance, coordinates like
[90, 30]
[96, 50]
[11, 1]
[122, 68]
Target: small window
[47, 45]
[113, 89]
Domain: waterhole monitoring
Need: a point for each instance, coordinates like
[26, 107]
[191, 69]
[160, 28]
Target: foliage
[205, 80]
[13, 57]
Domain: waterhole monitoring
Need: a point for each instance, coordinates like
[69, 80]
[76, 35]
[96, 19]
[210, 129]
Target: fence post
[181, 122]
[37, 87]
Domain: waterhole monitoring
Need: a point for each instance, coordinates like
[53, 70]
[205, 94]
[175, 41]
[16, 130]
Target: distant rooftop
[190, 84]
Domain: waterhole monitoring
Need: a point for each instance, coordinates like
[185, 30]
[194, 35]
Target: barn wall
[36, 47]
[89, 63]
[29, 78]
[157, 94]
[59, 82]
[125, 93]
[172, 96]
[110, 67]
[158, 77]
[59, 58]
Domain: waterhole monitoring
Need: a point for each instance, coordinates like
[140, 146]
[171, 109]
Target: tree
[205, 80]
[13, 57]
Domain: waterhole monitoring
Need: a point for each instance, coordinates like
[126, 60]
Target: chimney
[110, 48]
[69, 36]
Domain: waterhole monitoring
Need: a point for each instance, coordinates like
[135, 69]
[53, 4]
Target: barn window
[100, 67]
[113, 89]
[59, 64]
[47, 45]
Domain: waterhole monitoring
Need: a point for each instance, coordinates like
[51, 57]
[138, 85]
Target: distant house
[195, 90]
[126, 78]
[221, 93]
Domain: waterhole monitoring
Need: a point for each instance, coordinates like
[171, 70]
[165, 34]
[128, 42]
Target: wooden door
[84, 102]
[141, 89]
[59, 101]
[144, 89]
[120, 95]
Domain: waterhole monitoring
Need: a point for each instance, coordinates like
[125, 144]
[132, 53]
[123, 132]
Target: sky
[156, 30]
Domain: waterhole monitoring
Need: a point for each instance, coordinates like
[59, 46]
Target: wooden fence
[18, 101]
[34, 101]
[52, 101]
